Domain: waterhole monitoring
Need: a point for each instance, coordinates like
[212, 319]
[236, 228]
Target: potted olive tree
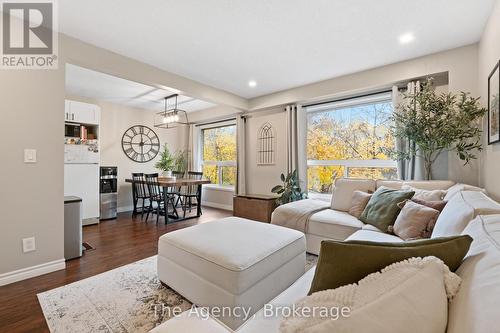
[431, 123]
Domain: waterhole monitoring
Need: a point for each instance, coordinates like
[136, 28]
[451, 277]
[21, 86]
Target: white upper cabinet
[82, 113]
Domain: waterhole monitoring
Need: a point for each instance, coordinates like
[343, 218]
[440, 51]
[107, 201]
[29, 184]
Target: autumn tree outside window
[347, 139]
[219, 154]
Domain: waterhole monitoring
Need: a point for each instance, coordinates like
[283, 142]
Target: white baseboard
[217, 205]
[33, 271]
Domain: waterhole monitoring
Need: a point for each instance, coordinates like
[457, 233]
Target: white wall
[489, 54]
[115, 120]
[461, 65]
[218, 112]
[262, 178]
[32, 198]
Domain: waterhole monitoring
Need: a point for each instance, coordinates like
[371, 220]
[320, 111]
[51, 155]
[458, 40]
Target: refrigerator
[81, 179]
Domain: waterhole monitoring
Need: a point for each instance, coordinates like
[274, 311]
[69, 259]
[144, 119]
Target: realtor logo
[29, 39]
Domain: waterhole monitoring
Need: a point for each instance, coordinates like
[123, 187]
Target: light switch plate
[30, 156]
[29, 244]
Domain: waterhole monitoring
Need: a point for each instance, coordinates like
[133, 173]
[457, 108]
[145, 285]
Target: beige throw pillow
[427, 195]
[437, 205]
[410, 296]
[415, 221]
[358, 203]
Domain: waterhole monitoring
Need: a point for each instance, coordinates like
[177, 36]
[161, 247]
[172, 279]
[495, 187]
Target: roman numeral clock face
[140, 143]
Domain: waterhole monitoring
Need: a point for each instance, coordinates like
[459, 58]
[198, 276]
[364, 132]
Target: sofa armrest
[191, 321]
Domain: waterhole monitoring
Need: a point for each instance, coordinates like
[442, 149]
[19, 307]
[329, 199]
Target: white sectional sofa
[469, 211]
[337, 224]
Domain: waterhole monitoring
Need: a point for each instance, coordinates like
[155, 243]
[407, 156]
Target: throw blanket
[295, 215]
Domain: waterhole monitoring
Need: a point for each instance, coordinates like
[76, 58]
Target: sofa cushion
[428, 195]
[462, 208]
[344, 188]
[475, 308]
[461, 187]
[342, 263]
[409, 296]
[382, 209]
[394, 184]
[333, 224]
[430, 185]
[420, 184]
[373, 235]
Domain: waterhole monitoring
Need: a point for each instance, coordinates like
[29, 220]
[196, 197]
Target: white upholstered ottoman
[232, 262]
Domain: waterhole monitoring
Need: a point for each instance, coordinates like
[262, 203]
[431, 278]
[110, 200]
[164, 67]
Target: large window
[219, 154]
[347, 139]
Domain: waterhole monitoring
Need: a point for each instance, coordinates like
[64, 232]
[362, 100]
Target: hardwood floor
[116, 242]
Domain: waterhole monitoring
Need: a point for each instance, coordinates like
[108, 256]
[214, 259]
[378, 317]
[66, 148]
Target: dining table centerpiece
[166, 162]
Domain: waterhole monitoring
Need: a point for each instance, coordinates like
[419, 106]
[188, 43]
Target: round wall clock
[140, 143]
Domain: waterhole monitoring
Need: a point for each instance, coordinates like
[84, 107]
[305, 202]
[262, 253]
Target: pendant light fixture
[171, 117]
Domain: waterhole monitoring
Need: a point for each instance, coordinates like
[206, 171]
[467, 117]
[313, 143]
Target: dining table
[166, 183]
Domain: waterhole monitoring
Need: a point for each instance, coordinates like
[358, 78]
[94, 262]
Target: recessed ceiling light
[406, 38]
[252, 83]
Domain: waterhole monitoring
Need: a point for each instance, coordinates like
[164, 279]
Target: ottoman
[231, 264]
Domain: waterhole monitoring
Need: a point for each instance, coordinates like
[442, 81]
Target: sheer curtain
[241, 153]
[412, 168]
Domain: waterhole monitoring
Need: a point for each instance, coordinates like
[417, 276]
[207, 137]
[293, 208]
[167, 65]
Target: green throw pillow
[343, 263]
[382, 209]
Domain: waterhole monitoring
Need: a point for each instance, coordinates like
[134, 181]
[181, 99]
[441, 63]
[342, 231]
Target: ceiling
[91, 84]
[278, 43]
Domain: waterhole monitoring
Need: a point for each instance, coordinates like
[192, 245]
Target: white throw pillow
[409, 296]
[454, 218]
[461, 187]
[427, 195]
[345, 187]
[462, 208]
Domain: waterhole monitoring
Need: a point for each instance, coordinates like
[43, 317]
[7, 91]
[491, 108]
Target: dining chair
[189, 192]
[177, 191]
[156, 195]
[140, 191]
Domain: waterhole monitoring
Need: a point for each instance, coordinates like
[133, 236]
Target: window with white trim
[347, 139]
[219, 154]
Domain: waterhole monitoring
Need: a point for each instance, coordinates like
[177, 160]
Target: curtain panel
[296, 148]
[412, 168]
[193, 149]
[291, 138]
[240, 155]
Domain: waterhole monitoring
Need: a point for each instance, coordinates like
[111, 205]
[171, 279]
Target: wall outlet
[30, 156]
[29, 244]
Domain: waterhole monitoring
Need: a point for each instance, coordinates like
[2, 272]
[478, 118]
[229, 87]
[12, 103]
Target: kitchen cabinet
[81, 113]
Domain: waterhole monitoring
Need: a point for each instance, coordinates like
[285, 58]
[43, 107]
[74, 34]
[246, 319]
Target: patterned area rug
[125, 299]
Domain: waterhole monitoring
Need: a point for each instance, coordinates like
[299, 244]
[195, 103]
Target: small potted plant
[290, 189]
[166, 162]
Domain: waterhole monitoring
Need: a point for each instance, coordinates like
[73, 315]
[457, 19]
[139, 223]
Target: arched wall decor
[266, 145]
